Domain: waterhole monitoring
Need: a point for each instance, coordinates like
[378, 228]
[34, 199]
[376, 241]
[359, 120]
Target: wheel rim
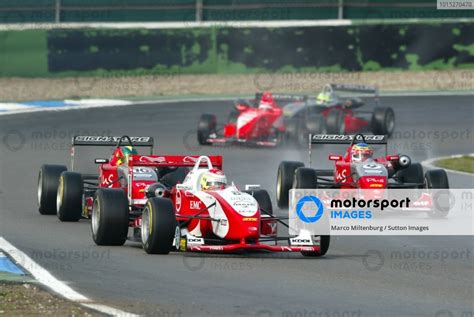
[95, 217]
[177, 237]
[145, 225]
[40, 187]
[60, 195]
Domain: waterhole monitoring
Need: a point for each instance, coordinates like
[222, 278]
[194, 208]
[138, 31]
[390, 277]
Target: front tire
[286, 172]
[69, 197]
[48, 182]
[438, 180]
[110, 217]
[325, 241]
[158, 226]
[412, 174]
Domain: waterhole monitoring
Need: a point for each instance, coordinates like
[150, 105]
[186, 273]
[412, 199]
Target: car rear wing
[345, 139]
[100, 140]
[282, 98]
[173, 161]
[356, 88]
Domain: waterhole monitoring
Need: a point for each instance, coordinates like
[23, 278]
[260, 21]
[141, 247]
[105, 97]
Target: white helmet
[213, 179]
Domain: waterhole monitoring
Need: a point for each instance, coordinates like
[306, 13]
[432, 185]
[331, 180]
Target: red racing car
[357, 168]
[168, 206]
[273, 119]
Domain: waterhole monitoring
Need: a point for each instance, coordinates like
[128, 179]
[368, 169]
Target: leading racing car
[167, 206]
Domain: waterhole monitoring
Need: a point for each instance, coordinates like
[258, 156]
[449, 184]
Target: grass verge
[461, 164]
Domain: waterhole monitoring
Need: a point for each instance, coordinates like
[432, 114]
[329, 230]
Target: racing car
[357, 168]
[273, 119]
[167, 206]
[202, 214]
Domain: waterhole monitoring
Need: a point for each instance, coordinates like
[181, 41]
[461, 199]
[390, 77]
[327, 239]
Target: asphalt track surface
[360, 276]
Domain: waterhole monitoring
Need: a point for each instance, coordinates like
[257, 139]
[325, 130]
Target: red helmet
[266, 102]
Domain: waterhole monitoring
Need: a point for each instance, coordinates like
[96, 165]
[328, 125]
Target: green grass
[461, 164]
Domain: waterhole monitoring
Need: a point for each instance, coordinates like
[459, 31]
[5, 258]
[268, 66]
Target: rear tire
[175, 177]
[383, 121]
[207, 125]
[263, 199]
[305, 178]
[48, 182]
[315, 124]
[335, 122]
[110, 217]
[69, 197]
[285, 175]
[158, 226]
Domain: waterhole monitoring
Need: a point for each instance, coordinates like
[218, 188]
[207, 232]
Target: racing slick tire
[315, 124]
[175, 177]
[233, 115]
[438, 179]
[110, 217]
[48, 182]
[69, 197]
[285, 175]
[263, 199]
[207, 125]
[383, 121]
[412, 174]
[158, 226]
[305, 177]
[335, 122]
[324, 247]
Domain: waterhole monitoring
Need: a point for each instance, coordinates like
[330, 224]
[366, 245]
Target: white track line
[59, 287]
[429, 163]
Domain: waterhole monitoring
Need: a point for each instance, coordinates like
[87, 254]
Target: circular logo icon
[373, 260]
[309, 200]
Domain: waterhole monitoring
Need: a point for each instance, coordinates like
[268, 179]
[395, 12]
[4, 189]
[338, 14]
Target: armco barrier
[225, 50]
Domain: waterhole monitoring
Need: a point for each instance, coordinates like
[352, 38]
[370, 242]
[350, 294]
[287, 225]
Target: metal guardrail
[58, 8]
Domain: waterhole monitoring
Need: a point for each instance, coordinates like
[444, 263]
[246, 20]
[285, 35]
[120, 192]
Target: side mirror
[335, 157]
[101, 161]
[404, 161]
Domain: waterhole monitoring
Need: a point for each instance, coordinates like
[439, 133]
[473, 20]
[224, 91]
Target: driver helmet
[266, 102]
[213, 179]
[326, 98]
[125, 152]
[361, 152]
